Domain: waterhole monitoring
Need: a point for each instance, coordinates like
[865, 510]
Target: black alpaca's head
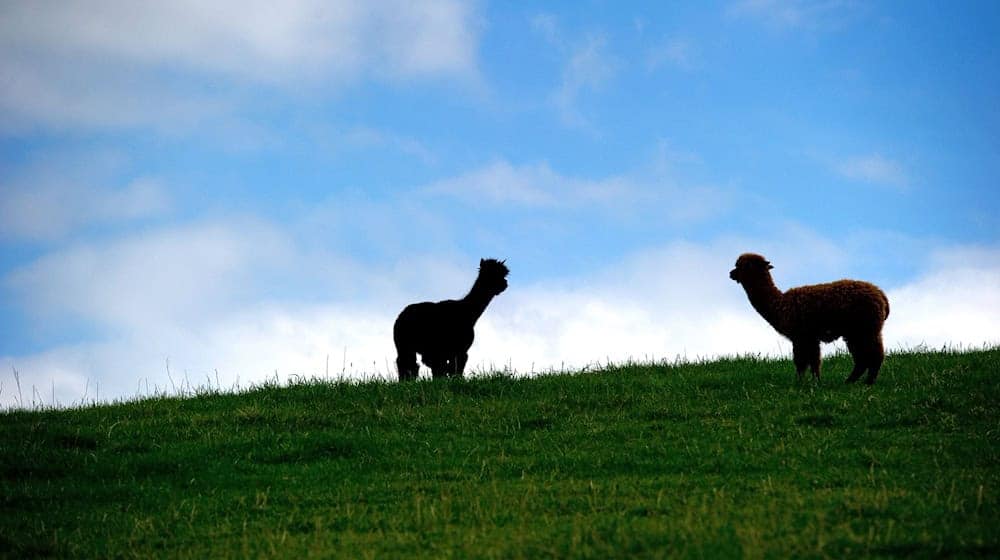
[493, 275]
[750, 266]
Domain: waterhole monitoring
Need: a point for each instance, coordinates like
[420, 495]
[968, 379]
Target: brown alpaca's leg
[860, 355]
[802, 352]
[815, 361]
[875, 362]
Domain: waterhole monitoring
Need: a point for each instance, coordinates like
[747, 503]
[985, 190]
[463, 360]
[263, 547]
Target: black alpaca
[442, 332]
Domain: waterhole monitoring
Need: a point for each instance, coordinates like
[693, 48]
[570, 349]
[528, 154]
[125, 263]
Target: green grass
[731, 458]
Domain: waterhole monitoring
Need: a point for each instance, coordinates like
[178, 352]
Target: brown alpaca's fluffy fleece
[808, 315]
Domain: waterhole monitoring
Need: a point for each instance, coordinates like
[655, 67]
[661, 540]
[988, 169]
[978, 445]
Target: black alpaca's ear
[482, 262]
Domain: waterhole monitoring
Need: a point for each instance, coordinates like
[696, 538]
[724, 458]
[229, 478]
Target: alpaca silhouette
[442, 332]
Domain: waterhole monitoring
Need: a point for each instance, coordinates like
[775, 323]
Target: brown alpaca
[807, 315]
[442, 332]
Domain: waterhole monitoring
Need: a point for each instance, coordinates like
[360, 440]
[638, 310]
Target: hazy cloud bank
[117, 64]
[205, 316]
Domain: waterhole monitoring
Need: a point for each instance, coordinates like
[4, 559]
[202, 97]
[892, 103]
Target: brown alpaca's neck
[765, 297]
[477, 299]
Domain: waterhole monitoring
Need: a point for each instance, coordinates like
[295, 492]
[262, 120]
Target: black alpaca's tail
[406, 356]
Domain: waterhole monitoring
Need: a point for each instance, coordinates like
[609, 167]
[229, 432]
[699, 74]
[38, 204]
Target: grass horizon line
[185, 389]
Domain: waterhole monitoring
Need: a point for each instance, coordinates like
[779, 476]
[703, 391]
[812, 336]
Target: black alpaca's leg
[406, 353]
[860, 355]
[438, 365]
[877, 356]
[449, 367]
[458, 370]
[406, 366]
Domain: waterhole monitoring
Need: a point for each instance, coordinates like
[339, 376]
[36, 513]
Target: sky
[219, 194]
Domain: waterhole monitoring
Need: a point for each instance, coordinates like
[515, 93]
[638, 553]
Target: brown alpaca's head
[493, 275]
[749, 267]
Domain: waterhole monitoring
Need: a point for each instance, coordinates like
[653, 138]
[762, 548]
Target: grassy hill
[722, 459]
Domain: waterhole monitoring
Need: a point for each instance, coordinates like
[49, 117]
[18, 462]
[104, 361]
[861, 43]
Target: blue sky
[254, 187]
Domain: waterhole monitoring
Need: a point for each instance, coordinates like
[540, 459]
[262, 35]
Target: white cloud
[548, 26]
[777, 12]
[657, 304]
[201, 326]
[234, 296]
[115, 63]
[874, 168]
[256, 40]
[235, 348]
[157, 278]
[676, 52]
[366, 136]
[529, 185]
[794, 13]
[955, 302]
[49, 207]
[587, 68]
[177, 295]
[46, 91]
[538, 186]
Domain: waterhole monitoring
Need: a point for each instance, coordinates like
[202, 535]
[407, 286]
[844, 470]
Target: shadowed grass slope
[719, 459]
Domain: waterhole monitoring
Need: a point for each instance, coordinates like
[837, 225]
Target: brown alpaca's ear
[769, 265]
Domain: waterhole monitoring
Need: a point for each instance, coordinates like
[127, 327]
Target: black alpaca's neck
[765, 297]
[478, 298]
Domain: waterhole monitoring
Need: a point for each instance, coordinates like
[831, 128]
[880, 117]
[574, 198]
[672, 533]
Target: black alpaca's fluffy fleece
[442, 332]
[807, 315]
